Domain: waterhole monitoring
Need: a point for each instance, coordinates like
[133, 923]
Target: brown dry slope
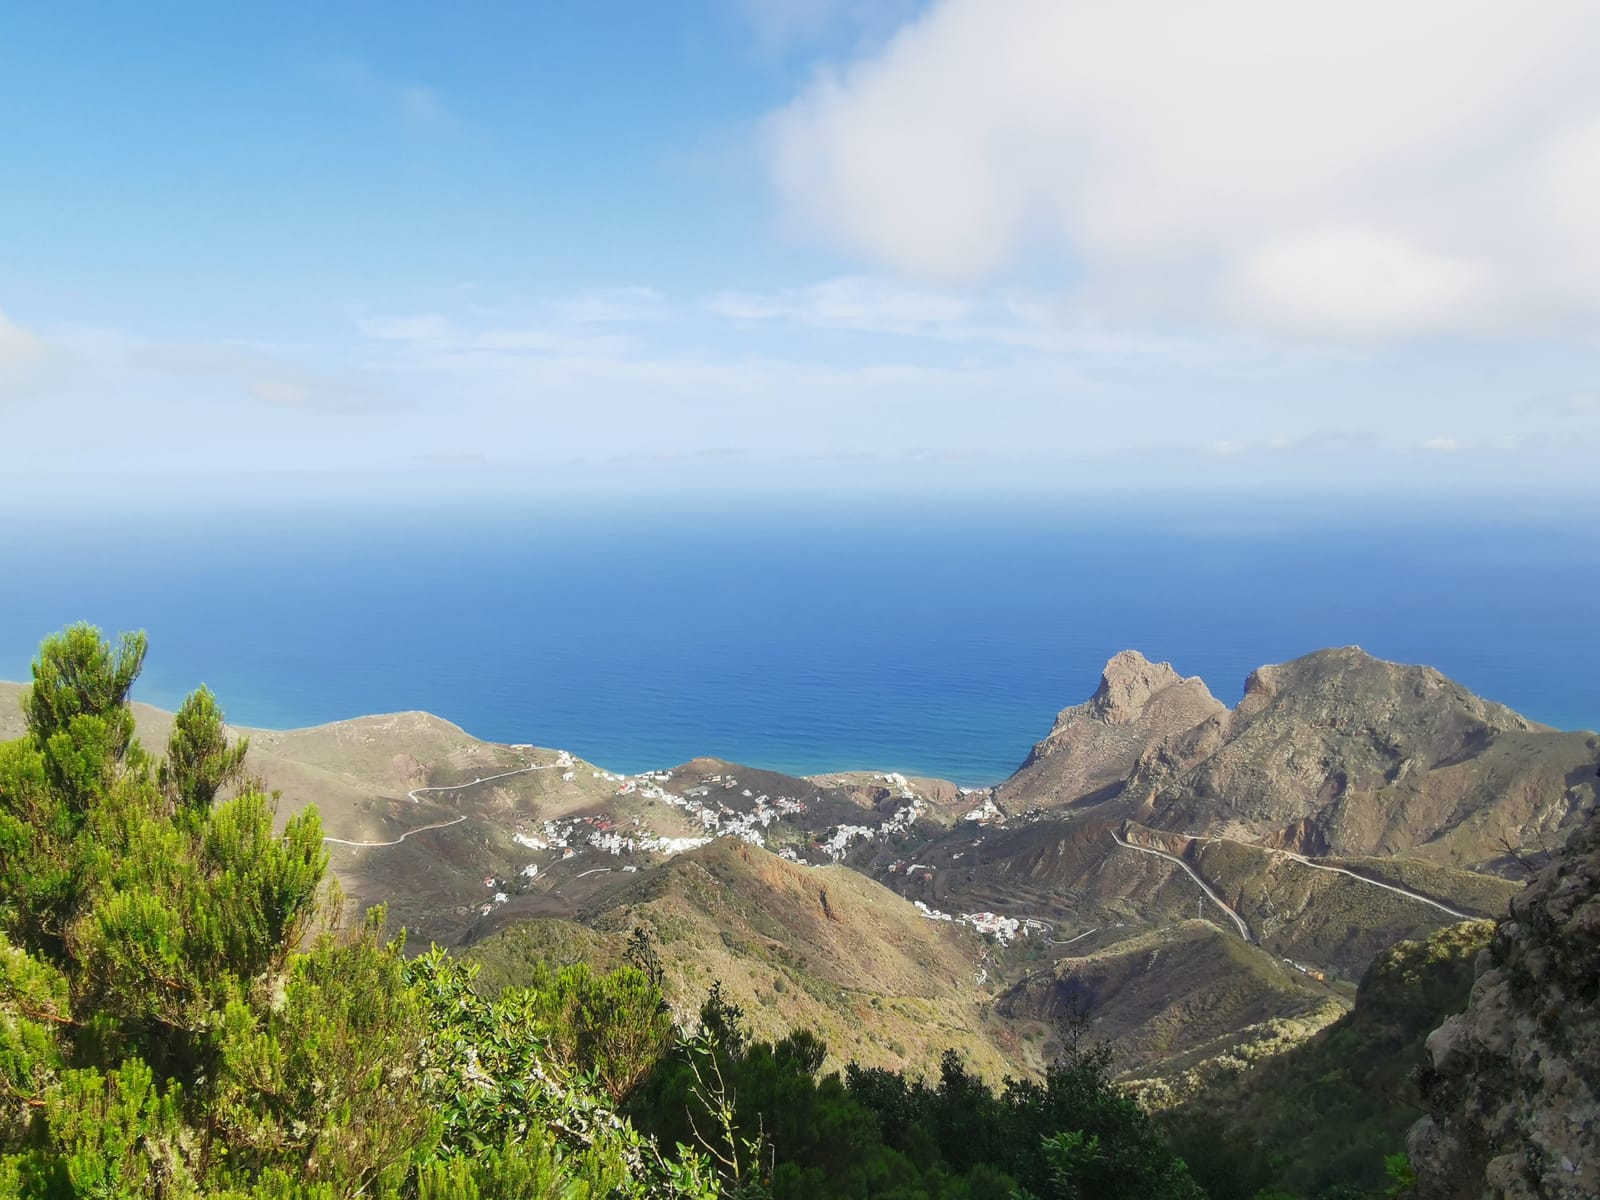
[1166, 995]
[357, 772]
[820, 947]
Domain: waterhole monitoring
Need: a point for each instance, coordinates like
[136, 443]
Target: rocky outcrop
[1335, 753]
[1512, 1086]
[1343, 753]
[1094, 746]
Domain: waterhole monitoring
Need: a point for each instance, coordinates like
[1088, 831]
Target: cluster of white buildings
[904, 818]
[1003, 929]
[933, 914]
[841, 837]
[702, 805]
[987, 812]
[498, 899]
[717, 818]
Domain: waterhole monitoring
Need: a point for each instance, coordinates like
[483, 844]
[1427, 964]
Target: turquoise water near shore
[931, 636]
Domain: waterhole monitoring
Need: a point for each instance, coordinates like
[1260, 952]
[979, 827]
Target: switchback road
[1244, 930]
[453, 787]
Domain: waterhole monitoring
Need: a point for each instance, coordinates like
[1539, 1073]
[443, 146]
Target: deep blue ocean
[932, 636]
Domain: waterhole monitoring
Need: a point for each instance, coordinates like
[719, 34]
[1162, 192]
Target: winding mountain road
[1244, 930]
[412, 796]
[1070, 940]
[1388, 887]
[1316, 866]
[401, 838]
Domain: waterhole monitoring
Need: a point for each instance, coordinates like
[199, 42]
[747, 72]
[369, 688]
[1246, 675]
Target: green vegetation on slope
[179, 1018]
[1320, 1119]
[877, 1134]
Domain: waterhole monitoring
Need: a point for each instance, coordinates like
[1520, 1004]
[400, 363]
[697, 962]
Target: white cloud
[445, 340]
[428, 328]
[761, 388]
[1357, 281]
[1364, 169]
[422, 106]
[1568, 404]
[608, 305]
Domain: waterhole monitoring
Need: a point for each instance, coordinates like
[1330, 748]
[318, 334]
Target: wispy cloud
[446, 341]
[746, 388]
[855, 303]
[609, 305]
[419, 106]
[265, 375]
[1017, 320]
[19, 348]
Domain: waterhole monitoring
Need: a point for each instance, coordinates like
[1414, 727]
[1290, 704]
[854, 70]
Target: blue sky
[736, 244]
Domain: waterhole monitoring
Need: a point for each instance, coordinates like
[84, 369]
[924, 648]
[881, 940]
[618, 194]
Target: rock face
[1513, 1085]
[1343, 753]
[1335, 753]
[1093, 746]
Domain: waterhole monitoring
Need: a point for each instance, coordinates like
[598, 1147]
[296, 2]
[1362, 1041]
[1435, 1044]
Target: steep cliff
[1512, 1086]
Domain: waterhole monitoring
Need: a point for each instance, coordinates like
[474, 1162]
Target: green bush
[164, 1034]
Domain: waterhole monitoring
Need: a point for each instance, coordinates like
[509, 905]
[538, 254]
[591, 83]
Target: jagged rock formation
[1335, 753]
[1339, 752]
[1513, 1085]
[1094, 746]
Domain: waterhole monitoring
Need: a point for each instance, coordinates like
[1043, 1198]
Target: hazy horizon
[802, 633]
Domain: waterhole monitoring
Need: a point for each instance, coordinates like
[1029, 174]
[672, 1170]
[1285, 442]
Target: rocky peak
[1094, 746]
[1127, 684]
[1341, 752]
